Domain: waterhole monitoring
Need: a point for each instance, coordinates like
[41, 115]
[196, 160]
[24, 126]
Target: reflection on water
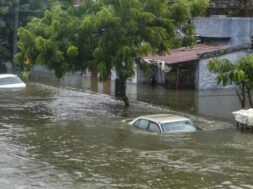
[54, 138]
[218, 103]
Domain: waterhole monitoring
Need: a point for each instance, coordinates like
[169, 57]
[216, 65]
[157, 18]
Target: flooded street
[69, 137]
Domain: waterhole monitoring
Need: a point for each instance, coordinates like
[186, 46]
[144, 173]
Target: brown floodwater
[64, 135]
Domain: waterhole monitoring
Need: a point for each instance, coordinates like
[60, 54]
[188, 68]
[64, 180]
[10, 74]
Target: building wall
[230, 7]
[238, 29]
[226, 3]
[141, 77]
[157, 74]
[205, 79]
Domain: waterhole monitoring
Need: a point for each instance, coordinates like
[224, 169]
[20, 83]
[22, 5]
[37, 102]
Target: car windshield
[179, 126]
[10, 80]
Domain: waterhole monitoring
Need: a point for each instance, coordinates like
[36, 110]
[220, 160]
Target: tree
[49, 42]
[239, 74]
[198, 7]
[12, 14]
[181, 12]
[101, 35]
[16, 13]
[128, 31]
[5, 30]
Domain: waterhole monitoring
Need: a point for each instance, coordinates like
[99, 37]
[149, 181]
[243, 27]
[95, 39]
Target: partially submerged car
[164, 123]
[11, 81]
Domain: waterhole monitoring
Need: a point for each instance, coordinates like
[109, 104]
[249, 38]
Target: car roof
[163, 118]
[7, 75]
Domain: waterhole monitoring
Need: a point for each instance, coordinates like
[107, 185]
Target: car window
[153, 127]
[176, 126]
[9, 80]
[143, 124]
[136, 123]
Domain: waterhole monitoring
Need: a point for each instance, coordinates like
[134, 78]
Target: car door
[143, 124]
[154, 127]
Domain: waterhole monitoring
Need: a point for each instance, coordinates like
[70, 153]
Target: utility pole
[16, 24]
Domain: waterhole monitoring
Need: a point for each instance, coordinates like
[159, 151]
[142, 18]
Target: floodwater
[69, 137]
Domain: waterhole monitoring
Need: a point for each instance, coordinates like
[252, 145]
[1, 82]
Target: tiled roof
[184, 54]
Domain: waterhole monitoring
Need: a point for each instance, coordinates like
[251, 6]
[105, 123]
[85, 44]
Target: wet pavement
[72, 137]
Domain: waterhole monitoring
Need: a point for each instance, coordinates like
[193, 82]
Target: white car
[164, 123]
[11, 81]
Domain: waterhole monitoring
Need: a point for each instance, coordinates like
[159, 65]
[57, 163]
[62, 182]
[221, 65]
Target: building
[221, 37]
[224, 30]
[187, 68]
[242, 8]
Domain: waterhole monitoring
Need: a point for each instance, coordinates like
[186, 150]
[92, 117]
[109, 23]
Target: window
[143, 124]
[176, 126]
[9, 80]
[153, 127]
[136, 123]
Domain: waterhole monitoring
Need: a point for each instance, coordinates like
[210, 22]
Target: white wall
[206, 79]
[238, 29]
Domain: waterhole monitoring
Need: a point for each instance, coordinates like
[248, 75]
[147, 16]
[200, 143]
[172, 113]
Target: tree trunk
[16, 21]
[94, 81]
[243, 97]
[249, 97]
[239, 96]
[126, 101]
[121, 90]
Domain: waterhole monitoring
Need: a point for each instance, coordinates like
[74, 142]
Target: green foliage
[72, 51]
[245, 65]
[183, 10]
[27, 10]
[239, 74]
[52, 41]
[189, 38]
[104, 35]
[180, 11]
[146, 67]
[25, 75]
[225, 70]
[198, 7]
[7, 11]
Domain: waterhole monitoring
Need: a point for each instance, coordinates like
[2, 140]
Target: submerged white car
[11, 81]
[164, 123]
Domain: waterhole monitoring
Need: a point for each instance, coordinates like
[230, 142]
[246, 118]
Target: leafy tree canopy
[27, 9]
[239, 74]
[103, 35]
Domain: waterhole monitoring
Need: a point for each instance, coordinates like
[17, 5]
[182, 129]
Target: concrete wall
[158, 74]
[43, 69]
[205, 79]
[141, 77]
[238, 29]
[226, 3]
